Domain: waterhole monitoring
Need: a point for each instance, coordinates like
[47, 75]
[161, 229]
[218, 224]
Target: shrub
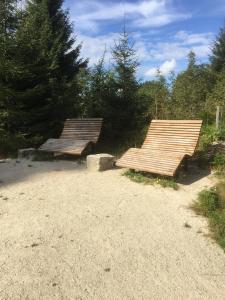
[209, 135]
[218, 162]
[211, 204]
[9, 144]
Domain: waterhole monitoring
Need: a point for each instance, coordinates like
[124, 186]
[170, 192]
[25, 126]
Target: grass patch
[218, 163]
[146, 178]
[211, 204]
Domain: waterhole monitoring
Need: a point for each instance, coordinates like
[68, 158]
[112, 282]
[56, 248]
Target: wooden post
[217, 117]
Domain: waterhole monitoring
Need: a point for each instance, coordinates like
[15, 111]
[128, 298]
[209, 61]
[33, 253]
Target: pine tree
[218, 51]
[49, 63]
[124, 109]
[98, 89]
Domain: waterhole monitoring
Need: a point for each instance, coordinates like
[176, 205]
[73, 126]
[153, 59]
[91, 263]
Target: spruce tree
[218, 51]
[124, 109]
[97, 95]
[49, 63]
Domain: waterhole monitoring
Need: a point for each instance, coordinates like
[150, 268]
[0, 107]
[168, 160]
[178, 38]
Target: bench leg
[186, 164]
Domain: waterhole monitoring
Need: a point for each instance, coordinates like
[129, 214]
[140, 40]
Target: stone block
[100, 162]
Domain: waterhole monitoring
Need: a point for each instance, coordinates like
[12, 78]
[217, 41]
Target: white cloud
[168, 66]
[147, 52]
[165, 68]
[94, 47]
[160, 20]
[88, 14]
[194, 38]
[179, 46]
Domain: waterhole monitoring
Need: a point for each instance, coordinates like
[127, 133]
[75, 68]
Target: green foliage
[8, 25]
[190, 90]
[218, 51]
[46, 88]
[118, 146]
[9, 144]
[207, 202]
[47, 81]
[124, 110]
[96, 88]
[218, 162]
[38, 85]
[112, 93]
[146, 178]
[210, 134]
[155, 95]
[217, 95]
[211, 204]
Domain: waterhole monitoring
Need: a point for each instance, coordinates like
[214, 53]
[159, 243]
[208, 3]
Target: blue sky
[164, 31]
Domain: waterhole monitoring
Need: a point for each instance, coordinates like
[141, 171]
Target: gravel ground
[70, 234]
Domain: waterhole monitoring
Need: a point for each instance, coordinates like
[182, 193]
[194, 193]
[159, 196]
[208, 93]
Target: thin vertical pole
[217, 117]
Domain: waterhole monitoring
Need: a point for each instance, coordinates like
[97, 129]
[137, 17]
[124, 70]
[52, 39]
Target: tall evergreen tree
[124, 111]
[218, 51]
[97, 95]
[49, 63]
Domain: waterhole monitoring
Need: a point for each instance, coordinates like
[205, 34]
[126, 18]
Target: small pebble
[186, 225]
[107, 269]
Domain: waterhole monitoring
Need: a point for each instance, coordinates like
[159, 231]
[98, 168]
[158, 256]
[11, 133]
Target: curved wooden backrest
[173, 135]
[82, 129]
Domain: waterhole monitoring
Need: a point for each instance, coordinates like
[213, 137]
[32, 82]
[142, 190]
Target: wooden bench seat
[76, 137]
[166, 144]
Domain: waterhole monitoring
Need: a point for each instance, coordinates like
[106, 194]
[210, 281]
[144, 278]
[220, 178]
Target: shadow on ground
[17, 170]
[193, 174]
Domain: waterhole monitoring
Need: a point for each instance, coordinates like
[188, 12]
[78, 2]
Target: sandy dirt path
[69, 234]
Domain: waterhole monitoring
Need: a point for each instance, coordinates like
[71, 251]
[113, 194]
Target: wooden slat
[75, 137]
[166, 144]
[64, 146]
[82, 129]
[173, 133]
[177, 121]
[140, 160]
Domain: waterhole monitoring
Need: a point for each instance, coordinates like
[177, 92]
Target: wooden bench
[76, 138]
[167, 143]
